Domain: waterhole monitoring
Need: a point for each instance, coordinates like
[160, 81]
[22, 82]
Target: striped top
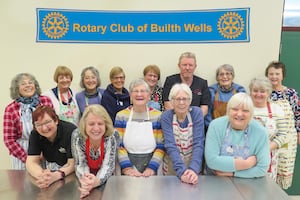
[120, 125]
[262, 115]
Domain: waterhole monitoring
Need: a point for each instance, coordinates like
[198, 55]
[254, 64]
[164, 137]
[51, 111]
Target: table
[208, 188]
[169, 187]
[18, 185]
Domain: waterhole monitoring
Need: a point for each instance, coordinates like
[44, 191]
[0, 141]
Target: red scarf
[94, 164]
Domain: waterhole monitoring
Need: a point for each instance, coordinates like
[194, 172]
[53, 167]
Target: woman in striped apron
[183, 129]
[288, 99]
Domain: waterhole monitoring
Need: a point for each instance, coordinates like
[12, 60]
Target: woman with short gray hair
[221, 92]
[183, 128]
[141, 147]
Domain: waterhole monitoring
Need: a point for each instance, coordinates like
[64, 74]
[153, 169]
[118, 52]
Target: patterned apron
[184, 142]
[235, 150]
[287, 153]
[27, 127]
[271, 127]
[69, 112]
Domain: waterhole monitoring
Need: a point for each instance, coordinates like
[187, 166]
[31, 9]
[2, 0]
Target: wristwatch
[63, 175]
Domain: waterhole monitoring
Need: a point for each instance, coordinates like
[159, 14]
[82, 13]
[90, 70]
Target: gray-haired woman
[221, 92]
[17, 122]
[92, 93]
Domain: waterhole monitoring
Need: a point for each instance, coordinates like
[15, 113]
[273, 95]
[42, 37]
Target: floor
[295, 197]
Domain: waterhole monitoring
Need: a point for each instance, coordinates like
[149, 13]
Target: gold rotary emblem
[55, 25]
[231, 25]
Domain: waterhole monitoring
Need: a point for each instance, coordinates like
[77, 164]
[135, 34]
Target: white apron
[139, 142]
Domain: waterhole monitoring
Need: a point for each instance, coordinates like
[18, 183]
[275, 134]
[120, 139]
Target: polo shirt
[199, 87]
[58, 151]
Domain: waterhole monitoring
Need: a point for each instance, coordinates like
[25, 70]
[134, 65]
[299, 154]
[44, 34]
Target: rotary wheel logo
[55, 25]
[231, 25]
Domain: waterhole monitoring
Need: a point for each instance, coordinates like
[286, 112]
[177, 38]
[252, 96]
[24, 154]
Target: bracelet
[63, 175]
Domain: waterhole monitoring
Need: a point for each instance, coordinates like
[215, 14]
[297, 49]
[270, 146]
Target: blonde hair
[100, 112]
[115, 71]
[62, 70]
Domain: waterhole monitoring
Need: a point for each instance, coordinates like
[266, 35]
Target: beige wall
[20, 52]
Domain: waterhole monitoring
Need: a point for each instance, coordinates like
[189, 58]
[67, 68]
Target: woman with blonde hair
[94, 145]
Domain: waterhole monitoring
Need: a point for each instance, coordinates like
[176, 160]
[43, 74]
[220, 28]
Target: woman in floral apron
[271, 116]
[288, 99]
[17, 121]
[237, 145]
[63, 97]
[221, 92]
[183, 129]
[141, 141]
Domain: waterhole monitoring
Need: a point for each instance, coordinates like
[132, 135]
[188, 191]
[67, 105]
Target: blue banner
[196, 26]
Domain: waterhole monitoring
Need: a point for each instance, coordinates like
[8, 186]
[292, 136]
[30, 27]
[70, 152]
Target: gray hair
[138, 82]
[241, 99]
[180, 87]
[261, 83]
[187, 55]
[226, 67]
[94, 71]
[15, 82]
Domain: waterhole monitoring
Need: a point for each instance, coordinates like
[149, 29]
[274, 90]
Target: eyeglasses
[139, 91]
[225, 74]
[23, 83]
[40, 125]
[184, 100]
[119, 77]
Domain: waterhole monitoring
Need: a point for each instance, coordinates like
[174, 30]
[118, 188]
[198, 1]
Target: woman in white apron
[237, 145]
[270, 116]
[288, 99]
[141, 141]
[63, 97]
[183, 129]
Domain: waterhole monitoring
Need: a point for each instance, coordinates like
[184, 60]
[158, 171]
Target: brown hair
[153, 68]
[276, 65]
[40, 111]
[62, 70]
